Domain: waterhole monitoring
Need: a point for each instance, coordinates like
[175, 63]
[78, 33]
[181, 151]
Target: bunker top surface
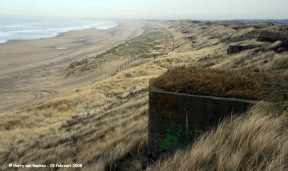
[241, 84]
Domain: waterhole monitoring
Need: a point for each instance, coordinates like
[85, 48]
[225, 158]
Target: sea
[27, 29]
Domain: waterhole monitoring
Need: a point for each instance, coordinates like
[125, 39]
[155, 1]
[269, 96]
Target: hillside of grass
[104, 126]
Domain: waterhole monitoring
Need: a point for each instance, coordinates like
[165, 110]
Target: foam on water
[17, 26]
[3, 41]
[21, 29]
[3, 37]
[61, 48]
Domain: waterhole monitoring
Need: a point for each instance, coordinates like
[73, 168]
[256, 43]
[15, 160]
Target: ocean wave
[94, 25]
[14, 26]
[45, 29]
[3, 41]
[4, 34]
[30, 31]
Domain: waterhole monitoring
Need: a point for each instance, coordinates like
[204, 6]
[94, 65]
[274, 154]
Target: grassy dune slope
[94, 126]
[254, 141]
[104, 126]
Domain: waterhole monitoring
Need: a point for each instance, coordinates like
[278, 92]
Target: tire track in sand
[38, 96]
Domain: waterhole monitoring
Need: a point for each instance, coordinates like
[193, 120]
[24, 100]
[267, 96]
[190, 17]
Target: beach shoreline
[58, 34]
[29, 66]
[31, 29]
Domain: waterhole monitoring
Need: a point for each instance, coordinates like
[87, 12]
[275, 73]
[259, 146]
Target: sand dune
[36, 68]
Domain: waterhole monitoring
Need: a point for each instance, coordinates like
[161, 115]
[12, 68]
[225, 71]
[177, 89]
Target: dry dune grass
[96, 125]
[104, 126]
[83, 141]
[257, 60]
[254, 141]
[279, 61]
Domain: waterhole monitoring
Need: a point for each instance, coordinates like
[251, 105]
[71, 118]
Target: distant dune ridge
[103, 125]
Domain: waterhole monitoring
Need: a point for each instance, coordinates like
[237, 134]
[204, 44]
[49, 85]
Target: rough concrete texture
[177, 119]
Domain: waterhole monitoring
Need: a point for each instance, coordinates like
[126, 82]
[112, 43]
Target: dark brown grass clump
[224, 83]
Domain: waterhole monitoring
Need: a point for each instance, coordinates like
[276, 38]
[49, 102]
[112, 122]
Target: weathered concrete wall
[177, 119]
[236, 48]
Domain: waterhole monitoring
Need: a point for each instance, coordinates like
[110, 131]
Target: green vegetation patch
[77, 63]
[242, 84]
[143, 44]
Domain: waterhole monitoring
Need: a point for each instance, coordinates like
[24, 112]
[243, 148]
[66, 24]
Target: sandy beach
[32, 71]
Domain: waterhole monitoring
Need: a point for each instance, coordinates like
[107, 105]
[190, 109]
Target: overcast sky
[146, 9]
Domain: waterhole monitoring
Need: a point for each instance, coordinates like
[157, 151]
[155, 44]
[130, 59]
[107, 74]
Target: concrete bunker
[237, 48]
[177, 119]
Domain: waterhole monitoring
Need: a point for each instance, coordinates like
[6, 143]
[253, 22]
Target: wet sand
[32, 71]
